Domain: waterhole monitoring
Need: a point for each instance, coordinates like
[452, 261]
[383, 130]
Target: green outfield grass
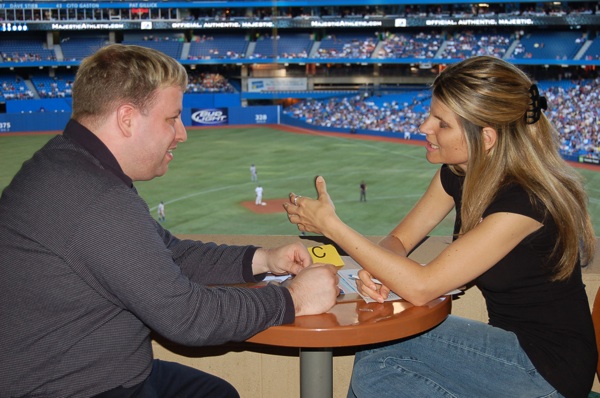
[209, 178]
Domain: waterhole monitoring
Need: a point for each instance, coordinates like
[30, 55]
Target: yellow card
[326, 254]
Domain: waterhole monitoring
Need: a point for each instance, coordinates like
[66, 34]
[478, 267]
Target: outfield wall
[41, 115]
[200, 110]
[51, 114]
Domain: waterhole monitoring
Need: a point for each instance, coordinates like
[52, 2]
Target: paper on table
[347, 282]
[276, 278]
[348, 279]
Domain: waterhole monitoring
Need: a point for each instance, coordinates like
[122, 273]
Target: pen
[352, 276]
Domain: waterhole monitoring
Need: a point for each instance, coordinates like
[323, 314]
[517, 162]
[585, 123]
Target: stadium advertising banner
[257, 85]
[210, 117]
[265, 114]
[309, 23]
[590, 159]
[235, 115]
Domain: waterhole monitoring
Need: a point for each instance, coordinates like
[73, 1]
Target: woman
[522, 231]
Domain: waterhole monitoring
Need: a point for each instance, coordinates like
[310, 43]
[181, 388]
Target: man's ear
[490, 136]
[125, 114]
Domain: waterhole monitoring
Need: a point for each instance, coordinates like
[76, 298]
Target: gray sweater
[86, 273]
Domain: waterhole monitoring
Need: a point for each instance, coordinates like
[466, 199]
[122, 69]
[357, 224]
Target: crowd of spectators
[360, 112]
[210, 47]
[15, 56]
[468, 44]
[423, 45]
[15, 88]
[55, 87]
[208, 83]
[394, 10]
[419, 45]
[343, 46]
[574, 109]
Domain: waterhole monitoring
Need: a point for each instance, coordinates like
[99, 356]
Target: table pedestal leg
[316, 373]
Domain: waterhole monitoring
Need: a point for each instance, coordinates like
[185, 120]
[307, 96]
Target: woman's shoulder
[514, 198]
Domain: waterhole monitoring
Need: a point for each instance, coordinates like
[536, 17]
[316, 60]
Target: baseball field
[208, 188]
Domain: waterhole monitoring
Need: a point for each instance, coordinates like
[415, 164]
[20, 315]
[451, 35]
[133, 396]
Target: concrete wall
[272, 372]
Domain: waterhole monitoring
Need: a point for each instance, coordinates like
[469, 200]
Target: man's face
[158, 131]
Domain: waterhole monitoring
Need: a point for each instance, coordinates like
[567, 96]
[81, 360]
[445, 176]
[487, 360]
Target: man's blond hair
[118, 74]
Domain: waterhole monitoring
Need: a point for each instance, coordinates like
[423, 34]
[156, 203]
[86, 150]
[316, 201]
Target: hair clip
[537, 104]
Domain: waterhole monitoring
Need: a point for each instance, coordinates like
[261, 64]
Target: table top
[351, 323]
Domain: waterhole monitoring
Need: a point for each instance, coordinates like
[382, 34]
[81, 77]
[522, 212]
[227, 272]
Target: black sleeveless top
[552, 320]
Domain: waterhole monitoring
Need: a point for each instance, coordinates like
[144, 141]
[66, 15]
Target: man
[363, 191]
[259, 193]
[86, 272]
[161, 211]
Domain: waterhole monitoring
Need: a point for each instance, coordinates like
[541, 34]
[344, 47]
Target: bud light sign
[209, 117]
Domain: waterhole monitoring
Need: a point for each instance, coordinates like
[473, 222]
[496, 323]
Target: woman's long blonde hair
[486, 91]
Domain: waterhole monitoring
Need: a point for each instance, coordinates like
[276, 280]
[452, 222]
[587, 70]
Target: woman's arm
[461, 262]
[428, 212]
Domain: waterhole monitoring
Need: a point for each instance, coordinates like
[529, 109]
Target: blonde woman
[522, 232]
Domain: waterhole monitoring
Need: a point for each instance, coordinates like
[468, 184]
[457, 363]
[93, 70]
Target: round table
[349, 323]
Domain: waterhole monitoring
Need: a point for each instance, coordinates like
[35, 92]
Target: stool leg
[316, 373]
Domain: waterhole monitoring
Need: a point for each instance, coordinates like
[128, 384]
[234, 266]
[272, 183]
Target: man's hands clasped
[314, 288]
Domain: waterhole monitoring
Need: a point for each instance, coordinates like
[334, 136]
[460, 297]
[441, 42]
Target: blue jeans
[458, 358]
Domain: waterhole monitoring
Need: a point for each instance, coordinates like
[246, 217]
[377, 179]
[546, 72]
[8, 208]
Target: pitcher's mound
[268, 206]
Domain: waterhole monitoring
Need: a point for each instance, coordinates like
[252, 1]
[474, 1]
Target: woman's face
[445, 137]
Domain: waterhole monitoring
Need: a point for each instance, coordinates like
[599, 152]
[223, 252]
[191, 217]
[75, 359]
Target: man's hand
[315, 289]
[289, 259]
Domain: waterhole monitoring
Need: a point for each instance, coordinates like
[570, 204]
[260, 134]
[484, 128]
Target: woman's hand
[365, 285]
[312, 215]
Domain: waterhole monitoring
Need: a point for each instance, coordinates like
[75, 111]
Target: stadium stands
[171, 45]
[549, 45]
[283, 46]
[14, 87]
[345, 45]
[59, 86]
[332, 47]
[468, 44]
[25, 50]
[75, 48]
[419, 45]
[218, 46]
[574, 108]
[593, 51]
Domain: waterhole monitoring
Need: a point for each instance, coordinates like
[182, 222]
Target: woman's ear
[490, 135]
